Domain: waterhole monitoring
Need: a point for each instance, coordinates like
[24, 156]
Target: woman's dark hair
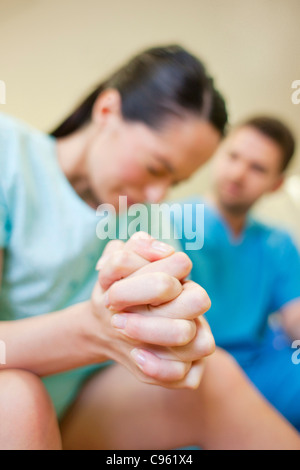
[277, 131]
[154, 85]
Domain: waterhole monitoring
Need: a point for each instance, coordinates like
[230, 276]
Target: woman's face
[131, 159]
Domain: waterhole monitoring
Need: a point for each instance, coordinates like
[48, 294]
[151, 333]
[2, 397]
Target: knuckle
[165, 284]
[204, 344]
[140, 235]
[183, 260]
[206, 302]
[113, 294]
[119, 259]
[201, 300]
[183, 371]
[208, 345]
[163, 279]
[111, 245]
[152, 371]
[103, 280]
[97, 297]
[134, 326]
[186, 331]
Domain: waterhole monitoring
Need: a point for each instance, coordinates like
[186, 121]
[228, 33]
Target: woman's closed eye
[157, 172]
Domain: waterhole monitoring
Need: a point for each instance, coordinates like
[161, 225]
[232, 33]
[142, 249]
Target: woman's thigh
[115, 411]
[27, 416]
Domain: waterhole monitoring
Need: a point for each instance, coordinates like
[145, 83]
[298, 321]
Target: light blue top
[247, 279]
[47, 231]
[49, 238]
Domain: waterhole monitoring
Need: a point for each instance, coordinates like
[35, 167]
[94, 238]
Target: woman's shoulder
[25, 152]
[10, 123]
[13, 128]
[19, 141]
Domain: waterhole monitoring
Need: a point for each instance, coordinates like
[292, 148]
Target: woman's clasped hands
[151, 316]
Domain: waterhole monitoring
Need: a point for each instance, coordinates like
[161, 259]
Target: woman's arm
[53, 342]
[84, 333]
[50, 343]
[58, 341]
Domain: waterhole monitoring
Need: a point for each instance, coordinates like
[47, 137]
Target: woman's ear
[107, 106]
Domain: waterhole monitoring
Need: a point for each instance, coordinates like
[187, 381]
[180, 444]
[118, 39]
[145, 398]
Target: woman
[149, 125]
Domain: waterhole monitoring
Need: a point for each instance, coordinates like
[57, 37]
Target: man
[249, 269]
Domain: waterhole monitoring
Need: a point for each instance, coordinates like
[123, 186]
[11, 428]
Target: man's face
[247, 166]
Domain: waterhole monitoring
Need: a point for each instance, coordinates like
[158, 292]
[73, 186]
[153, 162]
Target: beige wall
[53, 51]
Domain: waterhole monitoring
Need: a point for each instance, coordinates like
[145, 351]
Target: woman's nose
[155, 193]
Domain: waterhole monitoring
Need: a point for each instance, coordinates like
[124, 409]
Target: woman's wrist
[54, 342]
[90, 334]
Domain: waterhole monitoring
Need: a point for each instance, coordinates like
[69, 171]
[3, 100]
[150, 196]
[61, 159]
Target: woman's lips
[130, 201]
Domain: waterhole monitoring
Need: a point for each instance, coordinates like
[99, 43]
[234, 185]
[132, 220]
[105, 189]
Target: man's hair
[278, 132]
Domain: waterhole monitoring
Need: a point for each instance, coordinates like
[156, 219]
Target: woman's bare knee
[27, 416]
[222, 370]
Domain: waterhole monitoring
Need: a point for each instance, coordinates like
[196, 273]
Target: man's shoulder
[272, 236]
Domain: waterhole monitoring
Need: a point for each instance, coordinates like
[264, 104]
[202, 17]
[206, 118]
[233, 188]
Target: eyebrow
[166, 164]
[257, 164]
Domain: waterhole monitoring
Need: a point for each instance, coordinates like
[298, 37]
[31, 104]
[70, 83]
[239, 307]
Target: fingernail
[162, 247]
[195, 375]
[138, 357]
[119, 321]
[101, 262]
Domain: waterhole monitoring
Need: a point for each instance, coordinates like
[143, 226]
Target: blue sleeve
[4, 222]
[287, 277]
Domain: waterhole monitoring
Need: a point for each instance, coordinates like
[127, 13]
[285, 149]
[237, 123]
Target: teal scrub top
[247, 278]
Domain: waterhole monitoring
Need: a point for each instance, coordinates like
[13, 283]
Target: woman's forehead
[189, 142]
